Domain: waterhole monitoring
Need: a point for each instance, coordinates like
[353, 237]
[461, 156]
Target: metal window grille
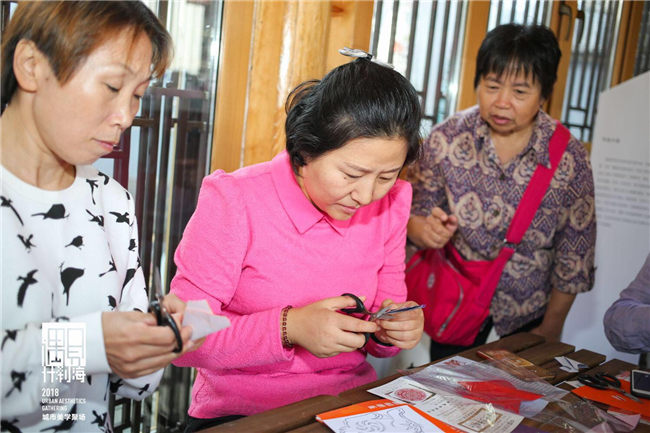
[519, 11]
[591, 64]
[423, 40]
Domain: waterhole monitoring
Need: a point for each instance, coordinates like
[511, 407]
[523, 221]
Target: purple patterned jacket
[460, 172]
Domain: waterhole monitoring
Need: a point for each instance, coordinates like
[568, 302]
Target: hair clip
[355, 52]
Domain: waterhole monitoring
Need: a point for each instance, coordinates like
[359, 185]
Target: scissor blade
[379, 314]
[157, 283]
[387, 312]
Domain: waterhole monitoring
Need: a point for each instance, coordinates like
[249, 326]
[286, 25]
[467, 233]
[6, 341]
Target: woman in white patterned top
[73, 74]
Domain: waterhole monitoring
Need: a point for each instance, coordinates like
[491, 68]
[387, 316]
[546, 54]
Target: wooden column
[350, 26]
[628, 40]
[475, 30]
[232, 82]
[306, 29]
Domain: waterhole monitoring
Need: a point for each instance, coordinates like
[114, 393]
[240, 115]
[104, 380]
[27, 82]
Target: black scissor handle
[592, 381]
[163, 318]
[155, 307]
[359, 308]
[599, 380]
[172, 324]
[609, 379]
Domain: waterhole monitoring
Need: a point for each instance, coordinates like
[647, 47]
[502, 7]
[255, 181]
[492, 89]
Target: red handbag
[458, 292]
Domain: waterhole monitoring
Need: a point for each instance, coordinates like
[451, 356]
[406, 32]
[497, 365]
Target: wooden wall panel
[262, 115]
[231, 85]
[305, 36]
[477, 20]
[628, 41]
[350, 23]
[269, 47]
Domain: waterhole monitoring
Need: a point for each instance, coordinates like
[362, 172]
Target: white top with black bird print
[67, 256]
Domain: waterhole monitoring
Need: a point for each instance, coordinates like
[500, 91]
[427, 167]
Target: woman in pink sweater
[273, 246]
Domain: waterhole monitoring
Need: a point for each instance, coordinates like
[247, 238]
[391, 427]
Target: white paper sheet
[569, 365]
[199, 316]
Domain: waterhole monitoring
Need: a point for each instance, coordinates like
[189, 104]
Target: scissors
[162, 315]
[384, 313]
[605, 381]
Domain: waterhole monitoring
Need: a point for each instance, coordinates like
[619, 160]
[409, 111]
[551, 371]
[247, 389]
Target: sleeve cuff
[96, 361]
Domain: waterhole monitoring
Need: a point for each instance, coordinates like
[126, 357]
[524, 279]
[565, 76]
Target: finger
[146, 366]
[173, 304]
[439, 214]
[350, 341]
[178, 318]
[401, 339]
[404, 314]
[158, 338]
[353, 324]
[339, 302]
[399, 325]
[193, 345]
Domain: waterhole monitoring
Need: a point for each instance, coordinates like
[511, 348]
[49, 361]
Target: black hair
[354, 100]
[513, 48]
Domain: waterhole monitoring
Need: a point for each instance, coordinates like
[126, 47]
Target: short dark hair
[354, 100]
[67, 32]
[513, 48]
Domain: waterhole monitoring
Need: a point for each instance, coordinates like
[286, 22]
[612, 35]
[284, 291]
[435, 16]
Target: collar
[542, 131]
[302, 213]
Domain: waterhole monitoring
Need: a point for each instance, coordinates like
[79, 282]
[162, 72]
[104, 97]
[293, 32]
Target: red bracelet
[285, 338]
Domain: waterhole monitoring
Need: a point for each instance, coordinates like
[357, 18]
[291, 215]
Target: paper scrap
[199, 316]
[570, 365]
[631, 420]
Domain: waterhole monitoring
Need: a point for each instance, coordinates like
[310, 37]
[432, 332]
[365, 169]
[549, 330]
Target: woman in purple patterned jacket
[474, 170]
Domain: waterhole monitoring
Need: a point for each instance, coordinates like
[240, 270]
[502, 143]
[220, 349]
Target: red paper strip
[615, 399]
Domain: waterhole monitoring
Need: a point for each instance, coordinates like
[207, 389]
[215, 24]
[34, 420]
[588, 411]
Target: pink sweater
[256, 244]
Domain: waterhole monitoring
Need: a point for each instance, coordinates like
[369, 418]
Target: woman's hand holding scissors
[403, 329]
[323, 331]
[135, 344]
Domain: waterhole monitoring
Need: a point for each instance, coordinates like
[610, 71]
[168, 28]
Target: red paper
[615, 399]
[499, 392]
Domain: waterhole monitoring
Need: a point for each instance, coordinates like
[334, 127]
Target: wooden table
[299, 417]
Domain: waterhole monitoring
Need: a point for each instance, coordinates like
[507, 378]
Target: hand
[403, 330]
[136, 346]
[433, 231]
[325, 332]
[557, 309]
[176, 307]
[550, 333]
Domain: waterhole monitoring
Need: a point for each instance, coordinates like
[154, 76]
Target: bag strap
[538, 186]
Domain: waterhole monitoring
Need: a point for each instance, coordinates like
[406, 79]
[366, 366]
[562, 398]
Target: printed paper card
[382, 416]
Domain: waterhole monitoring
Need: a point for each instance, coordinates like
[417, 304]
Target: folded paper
[570, 365]
[199, 316]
